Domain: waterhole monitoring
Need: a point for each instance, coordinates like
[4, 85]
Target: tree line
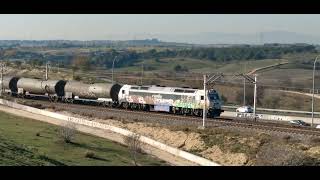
[130, 57]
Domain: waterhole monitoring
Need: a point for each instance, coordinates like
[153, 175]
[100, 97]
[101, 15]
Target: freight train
[175, 100]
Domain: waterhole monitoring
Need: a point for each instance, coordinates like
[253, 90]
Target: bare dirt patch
[225, 158]
[182, 139]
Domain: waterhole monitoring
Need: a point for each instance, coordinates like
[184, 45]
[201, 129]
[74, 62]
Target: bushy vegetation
[250, 95]
[125, 58]
[179, 68]
[280, 155]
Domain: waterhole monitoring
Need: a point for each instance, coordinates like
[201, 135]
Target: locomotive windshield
[214, 96]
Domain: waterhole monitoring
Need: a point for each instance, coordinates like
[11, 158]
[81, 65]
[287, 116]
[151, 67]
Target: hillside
[13, 154]
[26, 142]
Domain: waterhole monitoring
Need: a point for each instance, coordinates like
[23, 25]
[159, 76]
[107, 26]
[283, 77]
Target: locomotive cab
[214, 103]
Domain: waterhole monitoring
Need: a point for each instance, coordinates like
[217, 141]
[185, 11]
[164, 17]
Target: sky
[130, 26]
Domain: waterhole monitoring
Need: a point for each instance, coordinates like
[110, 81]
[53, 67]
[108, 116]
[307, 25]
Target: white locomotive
[175, 100]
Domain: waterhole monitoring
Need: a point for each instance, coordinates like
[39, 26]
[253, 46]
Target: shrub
[224, 99]
[315, 140]
[89, 115]
[77, 78]
[179, 68]
[286, 137]
[280, 155]
[186, 129]
[67, 132]
[304, 148]
[89, 154]
[135, 120]
[134, 146]
[272, 102]
[38, 134]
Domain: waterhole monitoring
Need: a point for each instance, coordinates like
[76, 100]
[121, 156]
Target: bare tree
[67, 132]
[134, 146]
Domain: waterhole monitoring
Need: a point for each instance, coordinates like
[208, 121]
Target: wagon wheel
[174, 110]
[108, 104]
[138, 107]
[65, 100]
[115, 104]
[103, 104]
[195, 112]
[69, 101]
[50, 98]
[184, 111]
[125, 105]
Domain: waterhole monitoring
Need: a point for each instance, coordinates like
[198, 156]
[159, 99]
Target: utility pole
[255, 96]
[208, 81]
[113, 67]
[47, 69]
[142, 73]
[58, 66]
[244, 91]
[2, 66]
[244, 86]
[312, 105]
[253, 81]
[204, 114]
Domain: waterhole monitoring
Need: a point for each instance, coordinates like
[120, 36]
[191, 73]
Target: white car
[245, 109]
[299, 123]
[318, 126]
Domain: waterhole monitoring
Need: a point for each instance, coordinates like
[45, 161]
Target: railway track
[171, 119]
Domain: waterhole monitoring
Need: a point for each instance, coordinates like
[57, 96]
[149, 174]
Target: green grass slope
[20, 145]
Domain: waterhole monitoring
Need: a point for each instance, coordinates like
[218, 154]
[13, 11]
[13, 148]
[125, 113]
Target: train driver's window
[202, 97]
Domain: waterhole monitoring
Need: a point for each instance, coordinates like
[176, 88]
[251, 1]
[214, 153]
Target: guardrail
[268, 117]
[276, 110]
[177, 152]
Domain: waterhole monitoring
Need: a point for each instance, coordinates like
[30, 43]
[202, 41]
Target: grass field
[165, 64]
[200, 66]
[20, 145]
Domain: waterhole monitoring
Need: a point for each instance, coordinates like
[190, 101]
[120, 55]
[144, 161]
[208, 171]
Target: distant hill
[92, 43]
[205, 38]
[282, 37]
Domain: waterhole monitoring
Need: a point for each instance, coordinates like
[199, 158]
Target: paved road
[300, 93]
[277, 118]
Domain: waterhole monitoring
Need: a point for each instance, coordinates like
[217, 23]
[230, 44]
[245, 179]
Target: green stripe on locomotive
[181, 101]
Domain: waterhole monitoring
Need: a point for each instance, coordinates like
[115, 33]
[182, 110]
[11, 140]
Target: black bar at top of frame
[161, 6]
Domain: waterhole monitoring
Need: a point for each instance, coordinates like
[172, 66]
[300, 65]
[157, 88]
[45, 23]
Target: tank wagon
[99, 91]
[32, 87]
[176, 100]
[66, 91]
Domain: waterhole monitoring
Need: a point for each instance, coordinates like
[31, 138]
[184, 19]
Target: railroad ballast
[176, 100]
